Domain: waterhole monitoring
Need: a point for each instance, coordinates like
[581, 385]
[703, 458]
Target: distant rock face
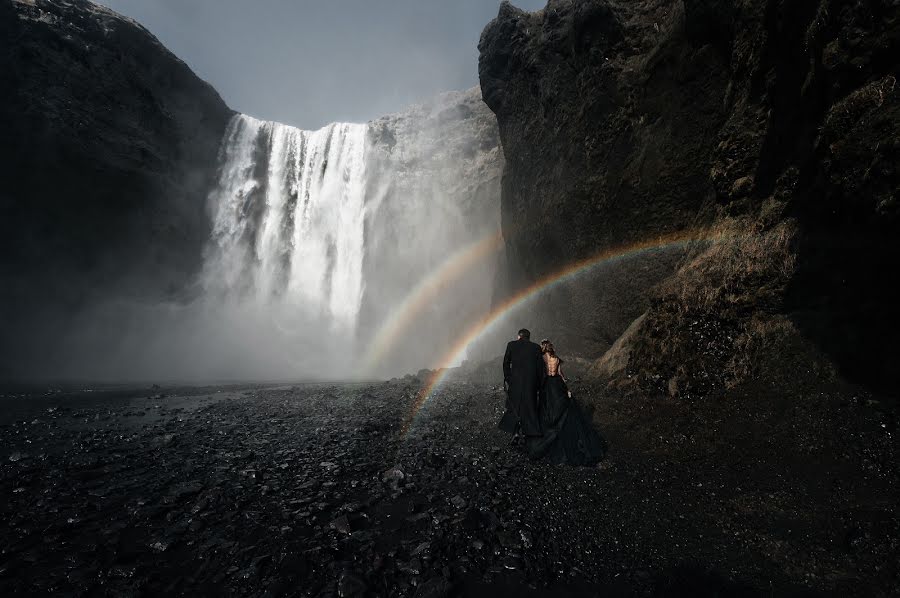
[772, 126]
[109, 146]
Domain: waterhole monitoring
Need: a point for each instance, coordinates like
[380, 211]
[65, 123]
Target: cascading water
[319, 236]
[318, 243]
[288, 216]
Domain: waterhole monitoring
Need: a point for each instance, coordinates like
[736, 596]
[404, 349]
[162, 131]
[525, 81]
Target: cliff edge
[109, 147]
[766, 132]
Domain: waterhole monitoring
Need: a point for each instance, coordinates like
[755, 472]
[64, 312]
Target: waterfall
[288, 213]
[319, 238]
[343, 253]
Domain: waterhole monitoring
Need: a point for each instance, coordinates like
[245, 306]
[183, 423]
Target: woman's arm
[565, 380]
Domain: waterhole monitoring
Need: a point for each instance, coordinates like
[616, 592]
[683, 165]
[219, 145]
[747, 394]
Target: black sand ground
[312, 490]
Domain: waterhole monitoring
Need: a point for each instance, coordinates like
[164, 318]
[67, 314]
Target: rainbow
[519, 299]
[424, 292]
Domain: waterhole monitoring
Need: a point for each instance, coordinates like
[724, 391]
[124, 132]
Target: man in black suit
[523, 371]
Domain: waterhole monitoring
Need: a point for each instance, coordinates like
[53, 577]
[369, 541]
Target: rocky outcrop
[109, 146]
[772, 127]
[607, 122]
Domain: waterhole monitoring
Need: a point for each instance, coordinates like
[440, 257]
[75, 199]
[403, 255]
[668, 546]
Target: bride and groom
[540, 409]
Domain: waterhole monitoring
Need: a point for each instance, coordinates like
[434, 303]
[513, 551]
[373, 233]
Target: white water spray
[288, 217]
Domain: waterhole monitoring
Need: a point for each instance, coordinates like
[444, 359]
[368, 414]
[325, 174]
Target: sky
[307, 63]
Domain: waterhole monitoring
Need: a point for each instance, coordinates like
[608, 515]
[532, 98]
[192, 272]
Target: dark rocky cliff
[109, 145]
[773, 127]
[608, 126]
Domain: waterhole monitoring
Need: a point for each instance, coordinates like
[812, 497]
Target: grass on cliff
[708, 323]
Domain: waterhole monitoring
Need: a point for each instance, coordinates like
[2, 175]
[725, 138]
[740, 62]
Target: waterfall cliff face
[320, 238]
[107, 153]
[288, 215]
[149, 233]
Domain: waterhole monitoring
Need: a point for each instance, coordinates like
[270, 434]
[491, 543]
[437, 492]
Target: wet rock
[436, 587]
[413, 567]
[378, 563]
[512, 563]
[856, 539]
[393, 476]
[200, 505]
[351, 507]
[557, 522]
[341, 525]
[160, 546]
[473, 520]
[508, 538]
[526, 539]
[435, 460]
[351, 584]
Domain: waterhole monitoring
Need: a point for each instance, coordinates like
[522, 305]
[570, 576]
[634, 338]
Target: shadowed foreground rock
[312, 490]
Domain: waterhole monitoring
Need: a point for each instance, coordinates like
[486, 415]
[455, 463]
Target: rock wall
[771, 126]
[607, 118]
[109, 146]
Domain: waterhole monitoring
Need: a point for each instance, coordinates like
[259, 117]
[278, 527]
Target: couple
[539, 406]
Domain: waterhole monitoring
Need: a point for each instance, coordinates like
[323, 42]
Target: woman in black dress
[569, 436]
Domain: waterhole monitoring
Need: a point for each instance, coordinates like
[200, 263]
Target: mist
[151, 290]
[318, 239]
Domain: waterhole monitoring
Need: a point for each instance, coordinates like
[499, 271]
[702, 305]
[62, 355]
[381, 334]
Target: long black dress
[569, 436]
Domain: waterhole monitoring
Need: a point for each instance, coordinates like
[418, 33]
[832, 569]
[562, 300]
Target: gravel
[315, 490]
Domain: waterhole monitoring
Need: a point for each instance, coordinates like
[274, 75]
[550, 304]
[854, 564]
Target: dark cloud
[307, 63]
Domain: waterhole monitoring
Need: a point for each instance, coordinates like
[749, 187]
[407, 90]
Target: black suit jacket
[523, 361]
[523, 369]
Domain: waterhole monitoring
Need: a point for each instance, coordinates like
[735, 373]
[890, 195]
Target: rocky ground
[334, 490]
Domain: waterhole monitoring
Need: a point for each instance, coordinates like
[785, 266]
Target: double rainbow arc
[672, 241]
[425, 292]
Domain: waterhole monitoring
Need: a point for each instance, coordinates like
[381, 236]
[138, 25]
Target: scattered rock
[393, 476]
[341, 524]
[351, 584]
[197, 507]
[436, 587]
[458, 501]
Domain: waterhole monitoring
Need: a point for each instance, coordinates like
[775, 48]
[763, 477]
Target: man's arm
[542, 369]
[507, 363]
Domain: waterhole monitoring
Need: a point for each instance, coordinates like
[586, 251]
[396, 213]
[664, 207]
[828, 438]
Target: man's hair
[525, 333]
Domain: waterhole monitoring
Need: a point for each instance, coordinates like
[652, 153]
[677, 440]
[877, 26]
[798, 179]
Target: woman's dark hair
[547, 347]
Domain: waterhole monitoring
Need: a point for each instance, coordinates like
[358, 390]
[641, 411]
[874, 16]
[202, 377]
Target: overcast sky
[310, 62]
